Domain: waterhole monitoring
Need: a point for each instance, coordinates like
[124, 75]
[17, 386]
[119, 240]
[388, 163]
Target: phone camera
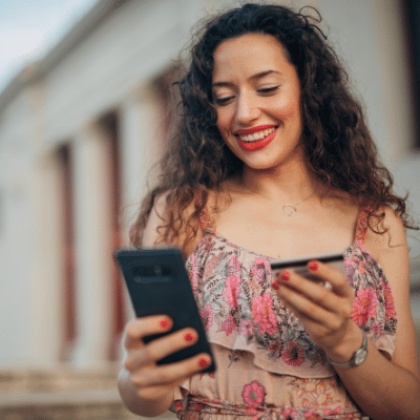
[157, 270]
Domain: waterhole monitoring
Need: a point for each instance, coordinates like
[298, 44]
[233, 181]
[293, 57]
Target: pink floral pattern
[293, 353]
[263, 314]
[207, 316]
[316, 394]
[253, 394]
[253, 332]
[232, 290]
[259, 270]
[228, 325]
[364, 306]
[389, 302]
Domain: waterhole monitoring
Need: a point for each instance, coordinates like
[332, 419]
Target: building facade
[79, 131]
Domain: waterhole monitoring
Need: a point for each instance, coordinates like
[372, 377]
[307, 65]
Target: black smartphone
[158, 284]
[299, 265]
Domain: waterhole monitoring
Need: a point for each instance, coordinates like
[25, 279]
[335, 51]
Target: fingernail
[189, 337]
[165, 323]
[285, 275]
[275, 285]
[313, 266]
[203, 362]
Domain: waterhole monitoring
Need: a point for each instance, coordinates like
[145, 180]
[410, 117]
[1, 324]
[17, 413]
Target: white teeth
[257, 136]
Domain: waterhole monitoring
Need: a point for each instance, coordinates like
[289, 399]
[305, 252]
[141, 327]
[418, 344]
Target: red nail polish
[275, 285]
[189, 337]
[203, 362]
[313, 266]
[285, 275]
[164, 323]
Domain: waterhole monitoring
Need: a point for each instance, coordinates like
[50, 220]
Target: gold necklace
[288, 209]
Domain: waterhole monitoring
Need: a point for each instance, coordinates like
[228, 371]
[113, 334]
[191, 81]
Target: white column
[93, 253]
[141, 135]
[44, 250]
[140, 120]
[47, 285]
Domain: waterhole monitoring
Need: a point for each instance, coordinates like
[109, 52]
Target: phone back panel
[158, 284]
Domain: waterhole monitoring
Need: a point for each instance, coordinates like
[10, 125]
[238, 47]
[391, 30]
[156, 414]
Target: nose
[246, 109]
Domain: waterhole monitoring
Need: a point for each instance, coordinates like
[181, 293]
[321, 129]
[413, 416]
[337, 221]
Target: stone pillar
[141, 145]
[43, 217]
[93, 253]
[47, 284]
[141, 121]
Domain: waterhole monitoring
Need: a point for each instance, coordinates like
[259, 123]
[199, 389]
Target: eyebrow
[253, 77]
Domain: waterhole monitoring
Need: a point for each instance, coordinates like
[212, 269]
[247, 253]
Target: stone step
[56, 378]
[63, 393]
[104, 404]
[62, 405]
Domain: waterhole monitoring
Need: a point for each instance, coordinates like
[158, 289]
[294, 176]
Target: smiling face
[256, 94]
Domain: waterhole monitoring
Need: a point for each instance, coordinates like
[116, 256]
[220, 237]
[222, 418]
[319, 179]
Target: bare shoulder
[228, 191]
[394, 226]
[388, 233]
[386, 241]
[391, 251]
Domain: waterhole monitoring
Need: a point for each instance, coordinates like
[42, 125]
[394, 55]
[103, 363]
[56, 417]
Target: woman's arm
[384, 389]
[139, 392]
[391, 389]
[147, 388]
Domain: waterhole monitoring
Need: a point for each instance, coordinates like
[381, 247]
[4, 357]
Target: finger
[311, 299]
[174, 373]
[303, 306]
[319, 273]
[325, 328]
[139, 328]
[311, 289]
[336, 278]
[159, 348]
[138, 358]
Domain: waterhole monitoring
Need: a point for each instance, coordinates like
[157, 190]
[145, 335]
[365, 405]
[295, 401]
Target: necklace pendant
[289, 210]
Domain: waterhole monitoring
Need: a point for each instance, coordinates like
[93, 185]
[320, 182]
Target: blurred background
[84, 93]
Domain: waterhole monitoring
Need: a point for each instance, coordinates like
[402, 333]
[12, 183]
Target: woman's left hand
[324, 308]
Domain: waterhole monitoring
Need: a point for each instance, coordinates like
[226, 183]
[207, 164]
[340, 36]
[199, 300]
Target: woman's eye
[223, 101]
[269, 89]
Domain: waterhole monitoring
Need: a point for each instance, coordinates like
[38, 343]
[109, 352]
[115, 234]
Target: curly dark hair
[339, 146]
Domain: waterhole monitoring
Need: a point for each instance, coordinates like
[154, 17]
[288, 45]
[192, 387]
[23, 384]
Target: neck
[286, 185]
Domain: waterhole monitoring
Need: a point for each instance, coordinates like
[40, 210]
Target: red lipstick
[252, 130]
[252, 146]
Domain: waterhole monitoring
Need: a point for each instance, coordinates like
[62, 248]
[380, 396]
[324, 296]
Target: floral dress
[267, 366]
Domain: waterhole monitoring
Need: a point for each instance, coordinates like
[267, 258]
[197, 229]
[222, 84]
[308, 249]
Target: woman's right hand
[151, 381]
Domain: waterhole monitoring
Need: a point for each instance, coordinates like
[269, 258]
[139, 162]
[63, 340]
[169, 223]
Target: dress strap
[206, 221]
[362, 225]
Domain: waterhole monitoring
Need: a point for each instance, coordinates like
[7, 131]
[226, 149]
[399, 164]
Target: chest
[277, 235]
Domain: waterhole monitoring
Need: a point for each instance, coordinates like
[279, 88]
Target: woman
[272, 159]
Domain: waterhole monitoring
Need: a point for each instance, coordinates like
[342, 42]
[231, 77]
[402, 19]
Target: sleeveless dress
[267, 366]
